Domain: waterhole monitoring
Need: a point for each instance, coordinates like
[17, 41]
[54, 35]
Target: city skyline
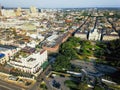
[60, 3]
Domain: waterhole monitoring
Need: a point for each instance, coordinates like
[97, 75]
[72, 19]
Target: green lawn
[71, 84]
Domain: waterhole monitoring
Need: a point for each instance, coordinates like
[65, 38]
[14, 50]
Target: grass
[83, 86]
[71, 84]
[98, 88]
[114, 87]
[80, 86]
[43, 86]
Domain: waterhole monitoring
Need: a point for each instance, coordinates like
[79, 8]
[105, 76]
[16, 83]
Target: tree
[84, 13]
[61, 62]
[74, 41]
[43, 86]
[110, 50]
[100, 49]
[86, 48]
[67, 50]
[106, 14]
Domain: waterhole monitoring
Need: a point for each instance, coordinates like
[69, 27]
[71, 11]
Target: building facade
[3, 58]
[30, 64]
[94, 35]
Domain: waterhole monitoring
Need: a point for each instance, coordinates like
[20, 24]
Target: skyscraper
[18, 11]
[33, 9]
[0, 10]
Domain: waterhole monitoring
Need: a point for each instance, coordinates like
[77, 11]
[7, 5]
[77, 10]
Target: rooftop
[2, 55]
[7, 46]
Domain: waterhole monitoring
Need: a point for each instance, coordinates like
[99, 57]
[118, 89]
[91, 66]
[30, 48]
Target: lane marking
[7, 87]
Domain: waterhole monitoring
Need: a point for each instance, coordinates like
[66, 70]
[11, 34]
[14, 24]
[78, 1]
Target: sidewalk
[5, 77]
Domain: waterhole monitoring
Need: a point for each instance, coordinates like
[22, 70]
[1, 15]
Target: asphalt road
[7, 86]
[80, 26]
[40, 78]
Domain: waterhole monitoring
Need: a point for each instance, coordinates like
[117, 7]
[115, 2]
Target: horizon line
[64, 7]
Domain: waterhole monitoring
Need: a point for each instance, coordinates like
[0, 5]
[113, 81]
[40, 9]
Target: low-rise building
[3, 58]
[94, 35]
[8, 13]
[81, 35]
[52, 44]
[8, 50]
[111, 36]
[29, 60]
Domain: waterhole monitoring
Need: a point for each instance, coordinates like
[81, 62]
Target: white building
[3, 58]
[94, 35]
[9, 51]
[81, 35]
[32, 63]
[32, 44]
[34, 11]
[8, 13]
[36, 36]
[111, 36]
[52, 38]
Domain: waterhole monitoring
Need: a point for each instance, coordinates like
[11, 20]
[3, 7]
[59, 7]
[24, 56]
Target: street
[7, 86]
[40, 78]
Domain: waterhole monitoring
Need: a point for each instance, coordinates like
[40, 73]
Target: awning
[45, 64]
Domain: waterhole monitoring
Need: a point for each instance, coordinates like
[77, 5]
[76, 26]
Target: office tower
[18, 11]
[33, 9]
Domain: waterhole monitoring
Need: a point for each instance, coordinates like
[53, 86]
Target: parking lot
[19, 82]
[59, 79]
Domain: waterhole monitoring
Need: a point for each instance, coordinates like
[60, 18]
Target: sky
[60, 3]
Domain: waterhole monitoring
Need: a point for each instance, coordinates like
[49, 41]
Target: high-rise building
[8, 13]
[0, 10]
[18, 11]
[0, 6]
[33, 9]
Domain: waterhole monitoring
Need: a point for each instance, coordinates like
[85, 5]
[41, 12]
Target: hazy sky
[60, 3]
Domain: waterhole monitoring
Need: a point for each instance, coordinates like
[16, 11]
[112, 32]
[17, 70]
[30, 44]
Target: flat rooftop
[93, 68]
[2, 55]
[8, 46]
